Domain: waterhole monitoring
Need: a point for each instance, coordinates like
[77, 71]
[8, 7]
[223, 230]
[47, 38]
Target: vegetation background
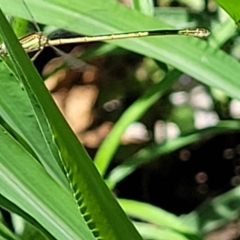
[159, 116]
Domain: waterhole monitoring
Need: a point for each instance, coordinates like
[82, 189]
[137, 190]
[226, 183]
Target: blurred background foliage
[183, 154]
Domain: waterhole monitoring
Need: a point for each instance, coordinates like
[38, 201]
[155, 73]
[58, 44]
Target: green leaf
[222, 33]
[156, 216]
[232, 8]
[30, 232]
[215, 212]
[149, 231]
[20, 26]
[144, 6]
[10, 206]
[95, 202]
[22, 120]
[6, 234]
[26, 184]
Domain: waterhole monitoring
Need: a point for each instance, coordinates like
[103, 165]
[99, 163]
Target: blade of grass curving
[149, 231]
[222, 33]
[232, 8]
[6, 234]
[35, 192]
[133, 113]
[149, 213]
[156, 150]
[100, 210]
[17, 112]
[11, 207]
[143, 6]
[215, 212]
[46, 152]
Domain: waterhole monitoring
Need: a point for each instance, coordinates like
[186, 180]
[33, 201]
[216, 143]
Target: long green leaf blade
[232, 8]
[22, 120]
[101, 211]
[26, 184]
[156, 216]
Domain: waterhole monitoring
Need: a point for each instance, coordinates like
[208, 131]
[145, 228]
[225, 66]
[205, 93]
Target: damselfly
[36, 42]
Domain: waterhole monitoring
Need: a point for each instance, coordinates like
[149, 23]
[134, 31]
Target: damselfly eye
[202, 32]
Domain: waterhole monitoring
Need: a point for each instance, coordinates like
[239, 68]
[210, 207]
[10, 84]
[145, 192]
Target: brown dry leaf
[63, 78]
[54, 80]
[227, 232]
[75, 93]
[75, 101]
[79, 106]
[94, 138]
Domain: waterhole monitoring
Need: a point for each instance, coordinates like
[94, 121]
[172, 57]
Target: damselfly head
[202, 32]
[196, 32]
